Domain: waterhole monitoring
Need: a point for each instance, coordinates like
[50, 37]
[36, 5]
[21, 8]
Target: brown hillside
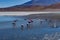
[31, 8]
[54, 6]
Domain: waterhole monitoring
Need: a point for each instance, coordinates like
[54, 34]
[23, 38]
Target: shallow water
[37, 32]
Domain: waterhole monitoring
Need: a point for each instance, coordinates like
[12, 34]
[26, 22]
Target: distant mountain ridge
[39, 2]
[24, 5]
[46, 2]
[29, 6]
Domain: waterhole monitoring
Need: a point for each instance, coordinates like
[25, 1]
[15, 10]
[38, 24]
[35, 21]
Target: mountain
[46, 2]
[40, 3]
[27, 4]
[24, 7]
[37, 5]
[54, 6]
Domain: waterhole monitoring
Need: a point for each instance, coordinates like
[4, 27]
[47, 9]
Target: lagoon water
[37, 32]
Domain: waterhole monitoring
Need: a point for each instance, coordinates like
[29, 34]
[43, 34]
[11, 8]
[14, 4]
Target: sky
[8, 3]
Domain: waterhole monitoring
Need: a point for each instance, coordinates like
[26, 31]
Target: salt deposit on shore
[24, 13]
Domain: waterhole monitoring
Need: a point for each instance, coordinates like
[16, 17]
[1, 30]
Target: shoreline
[25, 13]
